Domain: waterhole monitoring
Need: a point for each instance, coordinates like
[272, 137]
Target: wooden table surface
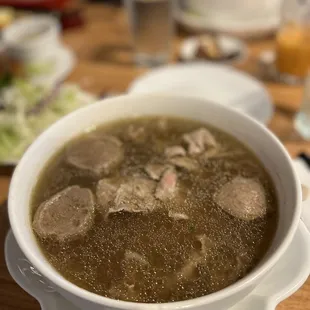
[104, 65]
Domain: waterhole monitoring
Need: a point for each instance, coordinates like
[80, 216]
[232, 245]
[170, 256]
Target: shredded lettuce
[18, 128]
[39, 68]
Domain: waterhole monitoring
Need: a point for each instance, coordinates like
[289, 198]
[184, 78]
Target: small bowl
[32, 38]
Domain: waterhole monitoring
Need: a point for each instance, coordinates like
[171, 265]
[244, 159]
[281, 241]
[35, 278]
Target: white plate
[82, 96]
[228, 44]
[287, 277]
[64, 62]
[217, 83]
[247, 28]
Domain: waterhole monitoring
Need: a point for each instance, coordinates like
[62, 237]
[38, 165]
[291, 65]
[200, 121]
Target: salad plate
[28, 108]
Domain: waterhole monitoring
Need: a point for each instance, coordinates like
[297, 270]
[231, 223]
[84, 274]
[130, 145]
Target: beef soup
[154, 209]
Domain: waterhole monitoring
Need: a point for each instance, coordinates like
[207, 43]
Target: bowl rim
[236, 287]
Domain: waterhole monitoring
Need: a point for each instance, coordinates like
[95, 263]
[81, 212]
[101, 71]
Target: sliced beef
[242, 198]
[67, 215]
[186, 163]
[167, 185]
[173, 151]
[155, 171]
[105, 192]
[99, 155]
[135, 195]
[199, 140]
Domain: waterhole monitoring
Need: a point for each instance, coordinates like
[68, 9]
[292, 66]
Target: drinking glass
[152, 29]
[302, 118]
[293, 41]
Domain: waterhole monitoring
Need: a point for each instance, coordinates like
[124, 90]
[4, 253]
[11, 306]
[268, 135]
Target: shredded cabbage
[18, 127]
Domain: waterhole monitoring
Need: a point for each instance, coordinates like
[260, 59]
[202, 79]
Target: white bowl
[234, 8]
[44, 43]
[265, 145]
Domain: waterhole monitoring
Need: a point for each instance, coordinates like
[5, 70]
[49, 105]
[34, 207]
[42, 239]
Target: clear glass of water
[302, 118]
[152, 29]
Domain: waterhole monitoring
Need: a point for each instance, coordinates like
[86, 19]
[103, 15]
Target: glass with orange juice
[293, 41]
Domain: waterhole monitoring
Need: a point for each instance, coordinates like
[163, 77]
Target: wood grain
[105, 65]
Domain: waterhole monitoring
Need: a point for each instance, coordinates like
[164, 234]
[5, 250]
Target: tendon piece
[173, 151]
[130, 255]
[178, 216]
[185, 163]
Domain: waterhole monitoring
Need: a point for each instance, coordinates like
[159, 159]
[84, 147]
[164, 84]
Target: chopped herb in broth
[160, 210]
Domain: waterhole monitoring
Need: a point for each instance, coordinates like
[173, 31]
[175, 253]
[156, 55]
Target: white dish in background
[262, 25]
[63, 63]
[32, 37]
[228, 44]
[212, 82]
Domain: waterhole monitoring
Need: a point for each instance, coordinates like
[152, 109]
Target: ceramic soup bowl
[259, 139]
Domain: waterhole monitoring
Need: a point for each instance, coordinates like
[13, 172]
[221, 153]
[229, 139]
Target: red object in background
[39, 4]
[69, 12]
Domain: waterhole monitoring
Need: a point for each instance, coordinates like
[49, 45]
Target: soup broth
[176, 210]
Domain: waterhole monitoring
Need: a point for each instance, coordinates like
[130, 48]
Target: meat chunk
[162, 124]
[242, 198]
[178, 216]
[130, 255]
[136, 195]
[155, 171]
[167, 185]
[136, 133]
[99, 155]
[173, 151]
[123, 291]
[105, 192]
[133, 267]
[186, 163]
[66, 215]
[196, 258]
[206, 243]
[187, 270]
[199, 140]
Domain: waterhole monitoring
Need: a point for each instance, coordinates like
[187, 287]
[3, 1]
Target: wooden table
[104, 65]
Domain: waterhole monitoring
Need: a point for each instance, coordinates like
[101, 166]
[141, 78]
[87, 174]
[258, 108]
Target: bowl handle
[305, 212]
[285, 278]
